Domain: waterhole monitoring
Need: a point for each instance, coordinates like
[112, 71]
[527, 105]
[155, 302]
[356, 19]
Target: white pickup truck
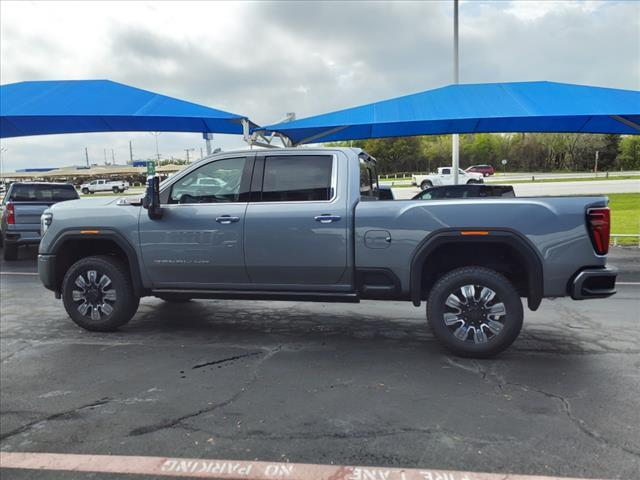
[445, 177]
[116, 186]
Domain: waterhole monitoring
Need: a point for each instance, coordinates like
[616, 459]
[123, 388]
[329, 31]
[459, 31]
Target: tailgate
[29, 212]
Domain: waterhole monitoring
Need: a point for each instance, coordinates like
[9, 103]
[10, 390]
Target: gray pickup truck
[306, 224]
[21, 209]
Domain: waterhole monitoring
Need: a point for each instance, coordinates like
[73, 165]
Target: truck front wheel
[475, 312]
[98, 294]
[115, 189]
[85, 190]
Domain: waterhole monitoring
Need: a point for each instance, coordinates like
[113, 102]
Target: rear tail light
[11, 214]
[599, 223]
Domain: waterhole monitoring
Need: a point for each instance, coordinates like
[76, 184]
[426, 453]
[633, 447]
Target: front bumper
[593, 283]
[47, 271]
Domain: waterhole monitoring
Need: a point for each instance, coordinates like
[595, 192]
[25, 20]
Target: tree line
[530, 152]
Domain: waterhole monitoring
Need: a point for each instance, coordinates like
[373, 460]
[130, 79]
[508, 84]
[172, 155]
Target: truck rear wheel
[426, 184]
[85, 190]
[475, 312]
[98, 294]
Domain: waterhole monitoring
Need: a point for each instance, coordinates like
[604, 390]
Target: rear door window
[297, 178]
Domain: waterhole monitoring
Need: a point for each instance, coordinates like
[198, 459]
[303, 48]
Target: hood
[85, 202]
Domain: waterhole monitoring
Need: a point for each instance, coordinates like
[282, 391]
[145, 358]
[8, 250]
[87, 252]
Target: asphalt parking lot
[362, 384]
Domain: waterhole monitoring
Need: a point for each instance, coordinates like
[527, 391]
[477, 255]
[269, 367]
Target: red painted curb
[234, 469]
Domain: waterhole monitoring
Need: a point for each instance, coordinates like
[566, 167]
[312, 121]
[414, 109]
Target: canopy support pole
[455, 138]
[207, 139]
[258, 138]
[320, 135]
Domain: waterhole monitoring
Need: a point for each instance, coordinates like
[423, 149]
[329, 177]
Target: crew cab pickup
[116, 186]
[21, 209]
[306, 224]
[445, 177]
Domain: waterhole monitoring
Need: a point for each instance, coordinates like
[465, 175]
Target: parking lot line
[233, 469]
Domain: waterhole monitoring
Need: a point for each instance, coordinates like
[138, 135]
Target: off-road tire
[479, 276]
[9, 251]
[125, 304]
[426, 184]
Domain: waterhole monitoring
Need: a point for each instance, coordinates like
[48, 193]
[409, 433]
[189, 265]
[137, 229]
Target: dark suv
[22, 207]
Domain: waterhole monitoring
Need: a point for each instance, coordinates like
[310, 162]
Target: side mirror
[151, 200]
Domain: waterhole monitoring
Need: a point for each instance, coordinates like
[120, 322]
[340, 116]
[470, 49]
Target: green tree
[629, 157]
[609, 152]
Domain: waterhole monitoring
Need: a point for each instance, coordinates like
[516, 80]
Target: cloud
[266, 59]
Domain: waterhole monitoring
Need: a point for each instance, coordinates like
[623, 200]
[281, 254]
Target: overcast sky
[265, 59]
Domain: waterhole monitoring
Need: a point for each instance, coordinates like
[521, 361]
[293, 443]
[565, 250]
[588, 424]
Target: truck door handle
[227, 219]
[327, 218]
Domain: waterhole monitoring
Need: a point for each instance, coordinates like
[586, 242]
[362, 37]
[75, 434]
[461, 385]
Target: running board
[260, 295]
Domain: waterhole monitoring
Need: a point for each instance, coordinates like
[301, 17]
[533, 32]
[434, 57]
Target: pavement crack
[12, 354]
[500, 383]
[577, 421]
[177, 421]
[56, 416]
[224, 360]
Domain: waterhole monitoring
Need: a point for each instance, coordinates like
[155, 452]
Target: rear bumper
[46, 271]
[593, 283]
[17, 236]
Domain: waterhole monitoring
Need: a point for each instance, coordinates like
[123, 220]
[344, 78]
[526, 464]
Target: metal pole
[156, 135]
[86, 154]
[2, 150]
[207, 138]
[455, 140]
[130, 152]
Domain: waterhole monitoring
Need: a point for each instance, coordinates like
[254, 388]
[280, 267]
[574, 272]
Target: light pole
[156, 135]
[188, 150]
[455, 139]
[2, 150]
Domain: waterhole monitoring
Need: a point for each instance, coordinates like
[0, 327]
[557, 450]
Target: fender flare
[527, 253]
[105, 234]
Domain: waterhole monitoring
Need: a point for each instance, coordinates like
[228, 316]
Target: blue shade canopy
[80, 106]
[476, 108]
